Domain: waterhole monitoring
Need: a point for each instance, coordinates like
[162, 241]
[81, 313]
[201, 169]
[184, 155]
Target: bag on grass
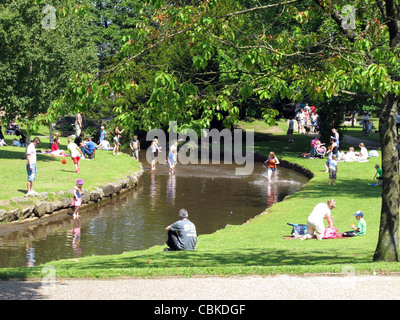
[298, 229]
[329, 233]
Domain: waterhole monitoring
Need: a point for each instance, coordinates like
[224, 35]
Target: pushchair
[317, 149]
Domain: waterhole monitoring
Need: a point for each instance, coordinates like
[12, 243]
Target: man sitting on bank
[181, 234]
[88, 148]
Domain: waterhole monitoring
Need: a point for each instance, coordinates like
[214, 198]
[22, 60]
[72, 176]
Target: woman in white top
[315, 221]
[363, 155]
[154, 148]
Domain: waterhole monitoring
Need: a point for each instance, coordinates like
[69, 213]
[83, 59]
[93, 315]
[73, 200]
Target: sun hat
[359, 214]
[79, 181]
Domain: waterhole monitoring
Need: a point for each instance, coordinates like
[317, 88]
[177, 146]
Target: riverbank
[259, 247]
[103, 176]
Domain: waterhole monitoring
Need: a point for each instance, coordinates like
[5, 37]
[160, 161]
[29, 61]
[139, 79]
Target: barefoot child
[75, 153]
[77, 199]
[272, 162]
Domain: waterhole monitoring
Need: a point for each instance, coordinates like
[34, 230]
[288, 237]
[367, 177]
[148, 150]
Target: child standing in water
[272, 163]
[77, 199]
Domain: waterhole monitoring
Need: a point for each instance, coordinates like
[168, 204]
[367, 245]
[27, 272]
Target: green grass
[357, 131]
[52, 175]
[259, 247]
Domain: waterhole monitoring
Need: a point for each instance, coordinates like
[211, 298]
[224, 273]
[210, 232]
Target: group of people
[307, 118]
[316, 227]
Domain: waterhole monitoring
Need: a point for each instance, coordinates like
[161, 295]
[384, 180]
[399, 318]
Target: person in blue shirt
[88, 148]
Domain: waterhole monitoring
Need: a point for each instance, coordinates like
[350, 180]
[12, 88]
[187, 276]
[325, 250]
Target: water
[212, 194]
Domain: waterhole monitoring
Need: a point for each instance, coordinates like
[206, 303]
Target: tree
[36, 58]
[272, 49]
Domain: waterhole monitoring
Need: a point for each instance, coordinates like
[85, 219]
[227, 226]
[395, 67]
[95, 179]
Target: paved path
[356, 141]
[282, 287]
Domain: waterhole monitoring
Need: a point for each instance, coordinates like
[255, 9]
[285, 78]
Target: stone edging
[44, 208]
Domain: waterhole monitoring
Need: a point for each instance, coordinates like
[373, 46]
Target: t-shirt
[332, 165]
[291, 124]
[186, 231]
[320, 212]
[102, 135]
[362, 225]
[171, 158]
[31, 151]
[78, 141]
[379, 172]
[90, 146]
[54, 147]
[73, 150]
[135, 144]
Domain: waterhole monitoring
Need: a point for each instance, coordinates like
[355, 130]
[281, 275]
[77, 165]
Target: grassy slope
[258, 247]
[52, 175]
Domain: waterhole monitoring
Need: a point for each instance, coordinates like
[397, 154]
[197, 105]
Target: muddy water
[212, 194]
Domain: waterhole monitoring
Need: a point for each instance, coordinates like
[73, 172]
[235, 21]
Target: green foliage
[36, 63]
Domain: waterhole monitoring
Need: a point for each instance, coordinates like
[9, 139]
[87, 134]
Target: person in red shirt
[272, 163]
[55, 151]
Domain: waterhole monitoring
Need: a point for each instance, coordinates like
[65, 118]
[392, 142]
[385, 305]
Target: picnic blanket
[338, 235]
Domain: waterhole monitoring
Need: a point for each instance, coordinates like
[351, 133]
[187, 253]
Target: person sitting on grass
[88, 148]
[55, 150]
[361, 228]
[181, 234]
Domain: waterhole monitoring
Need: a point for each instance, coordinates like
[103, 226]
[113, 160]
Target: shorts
[290, 131]
[332, 174]
[312, 227]
[75, 159]
[31, 173]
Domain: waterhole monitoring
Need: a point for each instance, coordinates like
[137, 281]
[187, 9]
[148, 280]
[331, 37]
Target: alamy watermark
[349, 20]
[235, 150]
[49, 20]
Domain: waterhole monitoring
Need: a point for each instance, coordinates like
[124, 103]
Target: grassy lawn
[259, 247]
[53, 176]
[357, 131]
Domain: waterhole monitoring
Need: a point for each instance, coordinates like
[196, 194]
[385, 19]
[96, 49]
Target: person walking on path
[31, 165]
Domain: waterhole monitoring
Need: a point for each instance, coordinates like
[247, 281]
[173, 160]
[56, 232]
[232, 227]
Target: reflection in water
[213, 195]
[171, 189]
[30, 254]
[76, 239]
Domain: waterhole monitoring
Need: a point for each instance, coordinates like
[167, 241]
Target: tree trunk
[388, 242]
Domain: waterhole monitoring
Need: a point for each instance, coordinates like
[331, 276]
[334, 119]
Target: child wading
[272, 163]
[77, 199]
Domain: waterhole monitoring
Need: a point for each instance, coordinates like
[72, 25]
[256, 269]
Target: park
[237, 72]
